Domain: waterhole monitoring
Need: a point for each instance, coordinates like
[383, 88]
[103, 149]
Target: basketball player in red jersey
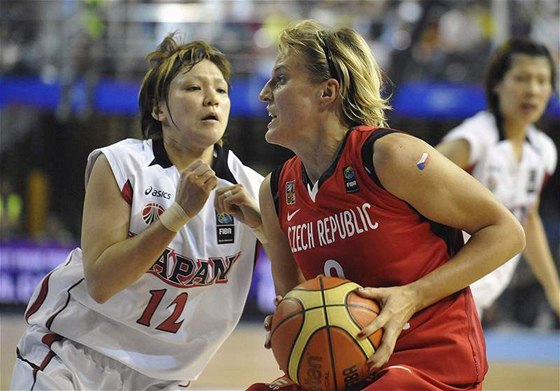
[381, 208]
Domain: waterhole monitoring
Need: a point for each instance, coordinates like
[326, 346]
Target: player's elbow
[516, 235]
[98, 292]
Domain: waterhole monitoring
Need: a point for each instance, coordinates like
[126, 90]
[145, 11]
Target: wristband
[259, 233]
[174, 217]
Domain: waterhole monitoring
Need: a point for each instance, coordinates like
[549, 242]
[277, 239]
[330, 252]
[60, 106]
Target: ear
[156, 111]
[329, 92]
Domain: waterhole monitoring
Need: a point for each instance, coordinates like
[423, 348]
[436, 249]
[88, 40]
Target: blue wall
[433, 100]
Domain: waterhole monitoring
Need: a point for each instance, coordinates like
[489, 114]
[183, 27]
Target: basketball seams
[320, 350]
[287, 318]
[328, 328]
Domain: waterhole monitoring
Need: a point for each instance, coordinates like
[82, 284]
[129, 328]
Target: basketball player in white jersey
[169, 240]
[504, 150]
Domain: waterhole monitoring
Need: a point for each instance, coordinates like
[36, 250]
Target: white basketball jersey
[171, 321]
[517, 184]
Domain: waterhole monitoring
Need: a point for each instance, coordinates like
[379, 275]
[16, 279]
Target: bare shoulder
[398, 149]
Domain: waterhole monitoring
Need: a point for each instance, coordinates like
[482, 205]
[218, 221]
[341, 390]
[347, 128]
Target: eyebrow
[187, 76]
[279, 68]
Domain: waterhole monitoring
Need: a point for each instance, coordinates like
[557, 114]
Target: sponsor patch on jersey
[150, 191]
[532, 182]
[291, 192]
[225, 228]
[350, 181]
[151, 212]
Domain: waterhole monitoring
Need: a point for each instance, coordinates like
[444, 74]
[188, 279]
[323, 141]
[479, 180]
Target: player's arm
[112, 260]
[285, 272]
[450, 196]
[444, 193]
[458, 151]
[538, 256]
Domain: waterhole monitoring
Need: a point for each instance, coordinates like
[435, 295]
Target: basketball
[313, 334]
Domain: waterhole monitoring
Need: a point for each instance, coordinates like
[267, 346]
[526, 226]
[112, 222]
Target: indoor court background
[69, 75]
[519, 359]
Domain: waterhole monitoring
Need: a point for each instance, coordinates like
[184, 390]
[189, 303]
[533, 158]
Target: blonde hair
[171, 58]
[344, 55]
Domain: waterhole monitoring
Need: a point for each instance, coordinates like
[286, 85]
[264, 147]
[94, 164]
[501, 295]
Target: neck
[317, 156]
[515, 131]
[182, 157]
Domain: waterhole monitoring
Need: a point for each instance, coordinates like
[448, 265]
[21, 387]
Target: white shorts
[68, 365]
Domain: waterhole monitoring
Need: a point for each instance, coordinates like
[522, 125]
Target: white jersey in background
[517, 184]
[171, 321]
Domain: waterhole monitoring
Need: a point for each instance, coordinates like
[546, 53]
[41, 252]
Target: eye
[521, 78]
[192, 88]
[222, 90]
[277, 81]
[543, 80]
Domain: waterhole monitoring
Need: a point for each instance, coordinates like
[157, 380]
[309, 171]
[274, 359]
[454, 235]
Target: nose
[532, 87]
[211, 98]
[264, 95]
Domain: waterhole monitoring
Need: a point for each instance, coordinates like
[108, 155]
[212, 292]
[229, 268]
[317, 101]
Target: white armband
[174, 217]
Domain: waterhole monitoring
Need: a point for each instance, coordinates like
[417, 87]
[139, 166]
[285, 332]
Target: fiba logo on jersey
[151, 212]
[350, 181]
[225, 228]
[532, 182]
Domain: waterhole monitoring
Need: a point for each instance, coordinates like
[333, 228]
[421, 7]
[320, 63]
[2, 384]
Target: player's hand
[397, 307]
[236, 201]
[195, 184]
[268, 323]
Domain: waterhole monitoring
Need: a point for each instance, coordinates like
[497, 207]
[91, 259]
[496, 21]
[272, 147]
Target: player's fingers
[371, 328]
[384, 351]
[222, 194]
[267, 322]
[267, 325]
[370, 293]
[267, 341]
[211, 183]
[200, 168]
[277, 300]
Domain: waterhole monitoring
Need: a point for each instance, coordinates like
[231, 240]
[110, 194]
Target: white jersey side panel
[517, 184]
[171, 321]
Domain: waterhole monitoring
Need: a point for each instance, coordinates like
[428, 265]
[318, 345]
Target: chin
[270, 138]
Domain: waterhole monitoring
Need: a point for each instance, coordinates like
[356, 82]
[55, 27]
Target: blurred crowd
[442, 39]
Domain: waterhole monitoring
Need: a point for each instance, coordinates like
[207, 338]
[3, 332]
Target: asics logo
[291, 215]
[157, 193]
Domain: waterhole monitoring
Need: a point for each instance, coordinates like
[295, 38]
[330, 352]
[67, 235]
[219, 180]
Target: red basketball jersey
[348, 225]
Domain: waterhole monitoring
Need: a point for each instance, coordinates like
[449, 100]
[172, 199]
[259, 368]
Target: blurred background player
[503, 149]
[378, 207]
[167, 252]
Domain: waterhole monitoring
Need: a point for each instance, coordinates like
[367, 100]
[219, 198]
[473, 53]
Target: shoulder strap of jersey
[367, 152]
[274, 182]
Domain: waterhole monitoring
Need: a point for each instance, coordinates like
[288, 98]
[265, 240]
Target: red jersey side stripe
[40, 298]
[127, 192]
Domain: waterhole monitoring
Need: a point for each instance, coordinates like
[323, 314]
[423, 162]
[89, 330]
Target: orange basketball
[313, 334]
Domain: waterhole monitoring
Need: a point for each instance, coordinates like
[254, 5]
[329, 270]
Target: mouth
[271, 115]
[529, 106]
[211, 117]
